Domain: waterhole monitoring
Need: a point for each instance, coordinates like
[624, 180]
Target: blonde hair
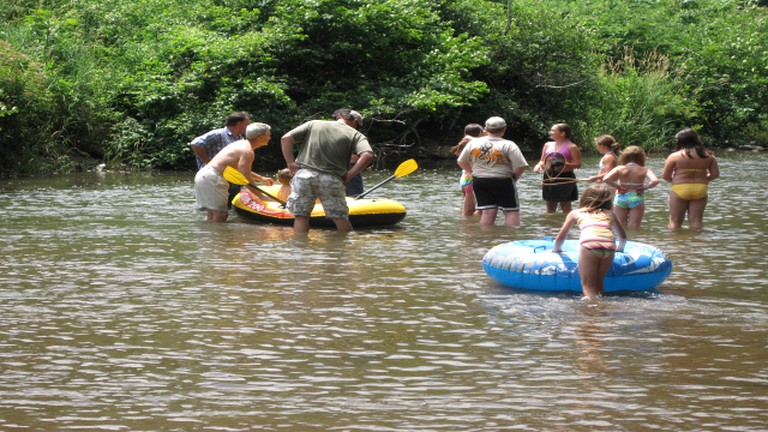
[596, 198]
[632, 154]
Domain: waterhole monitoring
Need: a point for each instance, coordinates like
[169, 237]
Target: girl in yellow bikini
[599, 230]
[689, 169]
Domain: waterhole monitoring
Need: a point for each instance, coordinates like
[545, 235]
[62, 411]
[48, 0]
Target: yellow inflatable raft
[362, 212]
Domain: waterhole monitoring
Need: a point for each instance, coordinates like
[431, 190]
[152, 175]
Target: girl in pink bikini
[599, 230]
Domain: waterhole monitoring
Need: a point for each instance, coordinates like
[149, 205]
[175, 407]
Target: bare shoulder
[673, 157]
[574, 215]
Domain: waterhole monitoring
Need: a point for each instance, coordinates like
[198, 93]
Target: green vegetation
[131, 83]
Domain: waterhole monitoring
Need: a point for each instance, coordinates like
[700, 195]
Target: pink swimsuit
[596, 232]
[565, 150]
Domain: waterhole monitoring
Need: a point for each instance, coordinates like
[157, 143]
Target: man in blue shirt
[206, 146]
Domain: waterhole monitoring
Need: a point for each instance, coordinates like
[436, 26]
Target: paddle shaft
[234, 176]
[402, 170]
[380, 184]
[267, 193]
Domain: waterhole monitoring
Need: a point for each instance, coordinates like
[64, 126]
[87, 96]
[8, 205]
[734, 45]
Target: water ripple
[123, 311]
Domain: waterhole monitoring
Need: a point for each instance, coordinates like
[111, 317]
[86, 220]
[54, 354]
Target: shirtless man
[211, 189]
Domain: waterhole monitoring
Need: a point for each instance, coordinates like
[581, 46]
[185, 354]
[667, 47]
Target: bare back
[681, 168]
[238, 155]
[631, 178]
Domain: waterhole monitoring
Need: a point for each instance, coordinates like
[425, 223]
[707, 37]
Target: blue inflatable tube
[531, 264]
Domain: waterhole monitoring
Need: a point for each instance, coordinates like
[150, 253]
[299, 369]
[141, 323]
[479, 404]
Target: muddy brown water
[122, 310]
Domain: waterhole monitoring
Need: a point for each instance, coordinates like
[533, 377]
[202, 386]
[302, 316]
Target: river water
[121, 309]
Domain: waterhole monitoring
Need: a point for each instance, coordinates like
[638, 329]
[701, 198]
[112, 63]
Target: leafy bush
[639, 102]
[133, 82]
[25, 107]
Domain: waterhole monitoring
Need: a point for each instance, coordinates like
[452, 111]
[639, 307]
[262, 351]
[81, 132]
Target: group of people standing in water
[333, 154]
[483, 153]
[492, 165]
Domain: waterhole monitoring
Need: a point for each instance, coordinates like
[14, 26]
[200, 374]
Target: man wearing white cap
[495, 164]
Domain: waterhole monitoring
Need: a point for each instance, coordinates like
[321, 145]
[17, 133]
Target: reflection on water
[121, 309]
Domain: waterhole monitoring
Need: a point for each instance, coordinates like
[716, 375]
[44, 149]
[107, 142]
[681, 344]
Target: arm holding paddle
[257, 177]
[244, 168]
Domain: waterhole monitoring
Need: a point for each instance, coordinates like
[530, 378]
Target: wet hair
[596, 198]
[236, 118]
[284, 176]
[472, 130]
[564, 127]
[688, 139]
[632, 154]
[610, 142]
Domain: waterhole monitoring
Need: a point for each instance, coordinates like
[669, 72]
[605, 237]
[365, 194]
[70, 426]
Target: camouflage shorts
[308, 185]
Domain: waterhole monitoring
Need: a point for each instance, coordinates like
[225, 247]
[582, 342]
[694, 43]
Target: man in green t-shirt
[322, 167]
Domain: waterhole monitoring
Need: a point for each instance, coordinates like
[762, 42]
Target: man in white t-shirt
[495, 164]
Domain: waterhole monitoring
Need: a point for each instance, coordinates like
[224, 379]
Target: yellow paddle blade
[234, 176]
[406, 168]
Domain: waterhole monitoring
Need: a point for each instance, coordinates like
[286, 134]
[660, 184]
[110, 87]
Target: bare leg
[342, 225]
[551, 206]
[622, 214]
[677, 209]
[592, 271]
[469, 205]
[301, 224]
[488, 216]
[567, 206]
[605, 264]
[512, 218]
[696, 213]
[636, 216]
[217, 216]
